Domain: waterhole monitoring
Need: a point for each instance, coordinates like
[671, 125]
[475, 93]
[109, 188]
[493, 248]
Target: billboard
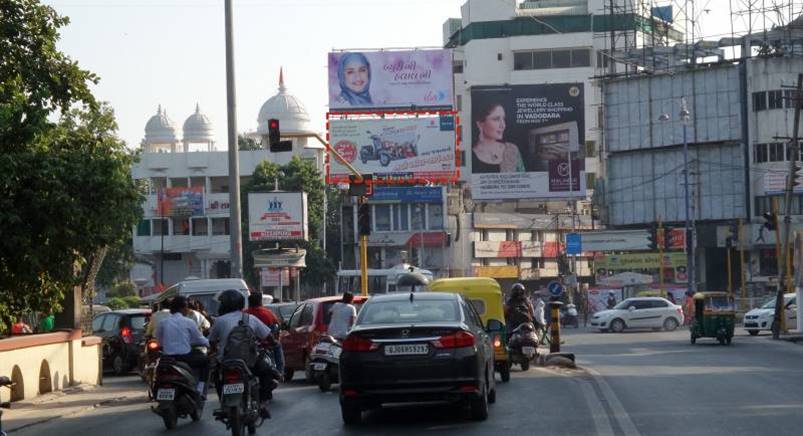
[180, 201]
[277, 216]
[521, 139]
[360, 81]
[401, 148]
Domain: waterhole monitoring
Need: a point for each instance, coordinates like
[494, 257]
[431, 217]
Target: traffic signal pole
[661, 242]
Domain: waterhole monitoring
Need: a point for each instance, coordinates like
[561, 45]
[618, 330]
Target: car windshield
[138, 322]
[624, 305]
[770, 304]
[208, 300]
[409, 312]
[286, 311]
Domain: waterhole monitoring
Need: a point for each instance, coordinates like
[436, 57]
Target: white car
[639, 312]
[761, 318]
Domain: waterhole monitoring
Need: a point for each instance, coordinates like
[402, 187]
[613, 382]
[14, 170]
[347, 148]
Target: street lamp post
[234, 159]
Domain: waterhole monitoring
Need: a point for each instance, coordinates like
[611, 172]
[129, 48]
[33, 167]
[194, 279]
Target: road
[643, 383]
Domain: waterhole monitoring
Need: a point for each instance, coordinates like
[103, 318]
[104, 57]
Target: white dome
[160, 129]
[198, 128]
[292, 116]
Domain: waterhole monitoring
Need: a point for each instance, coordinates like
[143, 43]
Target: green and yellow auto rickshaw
[714, 317]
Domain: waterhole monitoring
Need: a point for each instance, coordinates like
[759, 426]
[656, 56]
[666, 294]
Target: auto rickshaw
[485, 295]
[714, 317]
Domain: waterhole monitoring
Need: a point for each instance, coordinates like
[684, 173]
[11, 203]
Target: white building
[199, 245]
[513, 42]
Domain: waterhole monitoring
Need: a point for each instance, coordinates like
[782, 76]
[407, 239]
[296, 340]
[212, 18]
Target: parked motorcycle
[325, 360]
[523, 345]
[5, 382]
[176, 392]
[568, 316]
[238, 390]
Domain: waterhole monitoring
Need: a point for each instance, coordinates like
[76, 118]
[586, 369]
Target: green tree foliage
[123, 289]
[298, 176]
[117, 263]
[247, 143]
[65, 181]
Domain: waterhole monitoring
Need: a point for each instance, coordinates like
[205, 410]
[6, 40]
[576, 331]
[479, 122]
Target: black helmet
[230, 300]
[517, 290]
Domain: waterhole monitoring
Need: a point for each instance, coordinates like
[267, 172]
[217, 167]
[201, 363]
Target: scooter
[176, 392]
[238, 390]
[568, 316]
[5, 382]
[148, 361]
[523, 345]
[325, 361]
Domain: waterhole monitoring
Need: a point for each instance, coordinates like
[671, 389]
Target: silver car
[639, 312]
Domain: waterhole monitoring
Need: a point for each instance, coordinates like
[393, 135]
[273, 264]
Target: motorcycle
[175, 384]
[147, 363]
[523, 345]
[238, 390]
[386, 150]
[325, 360]
[568, 316]
[5, 382]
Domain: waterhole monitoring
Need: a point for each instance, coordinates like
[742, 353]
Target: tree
[298, 176]
[247, 143]
[66, 190]
[117, 263]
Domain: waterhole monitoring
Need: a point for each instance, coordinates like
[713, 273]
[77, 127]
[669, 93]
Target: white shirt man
[177, 335]
[343, 315]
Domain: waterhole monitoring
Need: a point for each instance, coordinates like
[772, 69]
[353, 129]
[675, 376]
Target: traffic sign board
[555, 289]
[574, 244]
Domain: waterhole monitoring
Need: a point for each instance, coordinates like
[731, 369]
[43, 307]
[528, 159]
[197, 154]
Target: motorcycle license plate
[237, 388]
[165, 395]
[319, 366]
[528, 350]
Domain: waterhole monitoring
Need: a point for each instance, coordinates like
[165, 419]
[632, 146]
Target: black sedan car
[416, 347]
[122, 332]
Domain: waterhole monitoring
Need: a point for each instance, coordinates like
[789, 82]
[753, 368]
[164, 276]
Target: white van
[205, 290]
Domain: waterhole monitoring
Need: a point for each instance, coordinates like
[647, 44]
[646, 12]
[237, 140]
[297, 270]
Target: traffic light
[563, 264]
[770, 221]
[653, 238]
[365, 188]
[732, 236]
[364, 220]
[275, 144]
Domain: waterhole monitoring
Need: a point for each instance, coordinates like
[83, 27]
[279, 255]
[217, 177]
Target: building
[552, 48]
[168, 249]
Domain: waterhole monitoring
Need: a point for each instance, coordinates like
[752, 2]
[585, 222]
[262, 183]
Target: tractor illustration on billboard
[385, 150]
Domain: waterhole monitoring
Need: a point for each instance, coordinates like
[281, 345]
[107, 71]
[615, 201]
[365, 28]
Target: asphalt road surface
[641, 383]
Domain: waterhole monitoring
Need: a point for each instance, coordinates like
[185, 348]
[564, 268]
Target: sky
[171, 52]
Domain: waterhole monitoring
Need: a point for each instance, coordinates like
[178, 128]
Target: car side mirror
[631, 308]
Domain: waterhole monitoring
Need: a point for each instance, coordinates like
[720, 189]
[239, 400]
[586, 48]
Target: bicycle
[5, 382]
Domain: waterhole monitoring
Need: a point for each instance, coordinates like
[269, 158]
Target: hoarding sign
[277, 216]
[521, 139]
[497, 249]
[574, 243]
[410, 148]
[411, 194]
[271, 277]
[180, 201]
[390, 79]
[497, 272]
[639, 261]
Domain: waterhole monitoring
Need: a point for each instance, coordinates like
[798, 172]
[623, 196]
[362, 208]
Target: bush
[123, 289]
[131, 302]
[116, 303]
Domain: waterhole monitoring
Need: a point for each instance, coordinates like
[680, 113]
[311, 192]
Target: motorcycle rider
[159, 311]
[518, 309]
[177, 335]
[230, 313]
[267, 317]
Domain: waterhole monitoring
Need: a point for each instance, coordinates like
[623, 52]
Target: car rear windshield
[286, 310]
[327, 306]
[407, 312]
[138, 322]
[209, 302]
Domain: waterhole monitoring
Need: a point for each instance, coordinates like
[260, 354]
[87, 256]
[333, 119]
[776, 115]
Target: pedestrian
[343, 314]
[539, 318]
[46, 322]
[20, 327]
[689, 308]
[611, 302]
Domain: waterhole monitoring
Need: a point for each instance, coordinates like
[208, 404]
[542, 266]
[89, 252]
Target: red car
[309, 321]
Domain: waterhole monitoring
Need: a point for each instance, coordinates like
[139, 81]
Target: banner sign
[277, 216]
[408, 194]
[274, 277]
[497, 249]
[390, 79]
[400, 148]
[521, 139]
[615, 240]
[180, 201]
[522, 221]
[497, 272]
[639, 261]
[402, 239]
[775, 183]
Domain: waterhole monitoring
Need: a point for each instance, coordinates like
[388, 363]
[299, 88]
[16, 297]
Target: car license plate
[528, 350]
[166, 395]
[323, 346]
[319, 366]
[406, 349]
[237, 388]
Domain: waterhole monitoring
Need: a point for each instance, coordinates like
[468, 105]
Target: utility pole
[741, 262]
[787, 220]
[692, 278]
[661, 238]
[235, 225]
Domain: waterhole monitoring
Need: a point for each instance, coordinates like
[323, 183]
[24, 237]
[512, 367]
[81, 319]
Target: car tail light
[358, 344]
[497, 342]
[231, 376]
[125, 332]
[469, 389]
[458, 339]
[351, 393]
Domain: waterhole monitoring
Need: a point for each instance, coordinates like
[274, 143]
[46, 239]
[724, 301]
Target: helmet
[517, 290]
[230, 300]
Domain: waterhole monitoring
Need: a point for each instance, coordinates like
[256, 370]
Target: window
[457, 67]
[591, 179]
[788, 96]
[561, 58]
[220, 226]
[382, 217]
[602, 59]
[306, 315]
[219, 185]
[97, 323]
[198, 181]
[523, 60]
[200, 227]
[144, 228]
[158, 183]
[760, 153]
[418, 218]
[110, 323]
[775, 99]
[159, 230]
[658, 304]
[542, 60]
[181, 226]
[759, 101]
[178, 182]
[402, 221]
[435, 212]
[581, 58]
[777, 152]
[295, 319]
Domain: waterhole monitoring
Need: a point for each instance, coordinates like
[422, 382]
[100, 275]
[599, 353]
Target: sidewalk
[71, 401]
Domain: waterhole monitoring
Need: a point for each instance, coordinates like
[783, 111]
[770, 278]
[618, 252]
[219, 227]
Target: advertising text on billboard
[277, 216]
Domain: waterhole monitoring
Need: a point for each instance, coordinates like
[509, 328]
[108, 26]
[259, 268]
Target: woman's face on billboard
[493, 125]
[356, 76]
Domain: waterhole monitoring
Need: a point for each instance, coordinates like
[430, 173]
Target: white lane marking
[601, 420]
[619, 412]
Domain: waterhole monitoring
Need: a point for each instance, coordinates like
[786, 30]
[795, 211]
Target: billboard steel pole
[234, 159]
